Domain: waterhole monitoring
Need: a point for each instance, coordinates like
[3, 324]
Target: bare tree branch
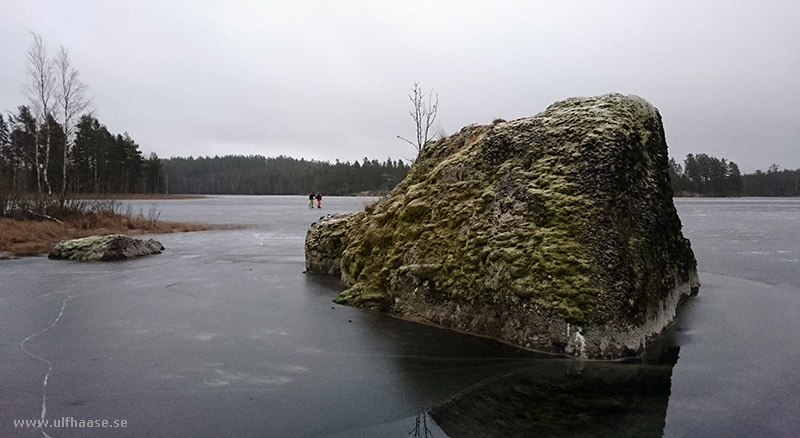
[424, 114]
[72, 101]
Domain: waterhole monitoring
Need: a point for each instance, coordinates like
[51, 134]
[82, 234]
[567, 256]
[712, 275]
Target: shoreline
[161, 196]
[132, 196]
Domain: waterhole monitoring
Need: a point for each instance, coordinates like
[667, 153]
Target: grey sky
[329, 79]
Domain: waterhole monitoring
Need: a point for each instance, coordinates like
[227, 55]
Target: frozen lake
[223, 335]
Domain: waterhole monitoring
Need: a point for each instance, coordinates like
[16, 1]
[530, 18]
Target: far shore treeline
[257, 175]
[100, 162]
[703, 175]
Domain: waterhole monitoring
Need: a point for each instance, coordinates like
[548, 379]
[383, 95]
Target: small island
[555, 232]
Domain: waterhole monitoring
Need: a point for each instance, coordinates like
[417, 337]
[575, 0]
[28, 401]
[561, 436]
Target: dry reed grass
[19, 238]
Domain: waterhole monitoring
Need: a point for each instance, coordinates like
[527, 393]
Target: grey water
[224, 335]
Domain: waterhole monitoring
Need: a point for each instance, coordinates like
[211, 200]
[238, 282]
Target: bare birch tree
[41, 93]
[72, 101]
[424, 114]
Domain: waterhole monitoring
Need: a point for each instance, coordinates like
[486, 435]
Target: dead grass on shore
[20, 238]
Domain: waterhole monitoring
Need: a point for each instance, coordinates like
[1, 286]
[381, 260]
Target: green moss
[361, 295]
[421, 271]
[416, 211]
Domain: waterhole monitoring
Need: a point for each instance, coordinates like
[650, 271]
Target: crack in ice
[39, 358]
[65, 297]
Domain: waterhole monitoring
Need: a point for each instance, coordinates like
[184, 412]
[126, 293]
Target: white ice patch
[579, 339]
[576, 341]
[225, 378]
[269, 380]
[214, 383]
[293, 368]
[267, 333]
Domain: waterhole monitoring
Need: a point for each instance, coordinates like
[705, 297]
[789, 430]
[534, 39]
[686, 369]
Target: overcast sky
[330, 79]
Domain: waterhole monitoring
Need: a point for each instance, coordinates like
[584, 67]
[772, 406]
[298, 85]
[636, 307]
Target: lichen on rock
[553, 232]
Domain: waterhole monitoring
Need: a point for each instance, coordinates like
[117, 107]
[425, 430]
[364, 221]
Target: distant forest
[32, 160]
[257, 175]
[99, 162]
[703, 175]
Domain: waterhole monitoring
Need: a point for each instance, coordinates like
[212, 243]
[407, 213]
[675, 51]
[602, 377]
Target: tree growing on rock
[423, 112]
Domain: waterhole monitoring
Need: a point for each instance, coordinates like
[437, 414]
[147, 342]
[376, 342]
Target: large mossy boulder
[105, 248]
[554, 232]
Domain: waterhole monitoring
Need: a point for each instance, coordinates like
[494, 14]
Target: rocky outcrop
[554, 232]
[325, 243]
[105, 248]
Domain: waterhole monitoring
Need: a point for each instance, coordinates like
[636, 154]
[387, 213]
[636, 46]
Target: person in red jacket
[319, 200]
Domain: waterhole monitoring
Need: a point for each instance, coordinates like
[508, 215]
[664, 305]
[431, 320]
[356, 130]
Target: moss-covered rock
[553, 232]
